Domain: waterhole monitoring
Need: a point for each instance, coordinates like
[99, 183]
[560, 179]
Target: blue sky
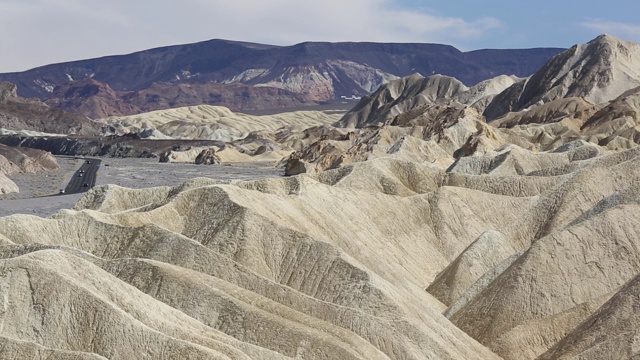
[559, 23]
[40, 32]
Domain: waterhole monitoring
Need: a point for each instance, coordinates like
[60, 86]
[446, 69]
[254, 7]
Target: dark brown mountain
[318, 71]
[17, 113]
[95, 99]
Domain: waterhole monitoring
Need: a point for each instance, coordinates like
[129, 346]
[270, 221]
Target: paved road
[84, 178]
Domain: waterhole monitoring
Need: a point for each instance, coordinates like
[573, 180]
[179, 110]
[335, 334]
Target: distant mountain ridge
[96, 100]
[318, 70]
[18, 113]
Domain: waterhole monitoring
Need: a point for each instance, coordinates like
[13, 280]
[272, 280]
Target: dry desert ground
[36, 189]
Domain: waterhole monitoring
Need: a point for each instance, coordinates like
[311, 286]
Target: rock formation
[205, 122]
[207, 157]
[17, 113]
[316, 71]
[22, 160]
[6, 185]
[422, 231]
[416, 95]
[598, 72]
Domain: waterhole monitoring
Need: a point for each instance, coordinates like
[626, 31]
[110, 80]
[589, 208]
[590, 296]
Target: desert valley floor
[38, 193]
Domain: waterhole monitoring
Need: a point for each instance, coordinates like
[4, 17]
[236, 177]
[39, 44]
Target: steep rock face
[598, 72]
[207, 157]
[401, 96]
[626, 106]
[324, 81]
[553, 111]
[520, 292]
[479, 94]
[428, 110]
[8, 92]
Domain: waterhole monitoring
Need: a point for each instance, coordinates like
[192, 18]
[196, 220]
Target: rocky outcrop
[22, 160]
[123, 146]
[16, 159]
[400, 101]
[598, 72]
[8, 92]
[294, 165]
[17, 113]
[401, 96]
[207, 157]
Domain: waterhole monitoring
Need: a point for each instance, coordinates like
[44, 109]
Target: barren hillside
[245, 76]
[20, 114]
[420, 231]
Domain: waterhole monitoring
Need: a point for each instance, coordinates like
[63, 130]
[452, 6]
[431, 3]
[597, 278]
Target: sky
[40, 32]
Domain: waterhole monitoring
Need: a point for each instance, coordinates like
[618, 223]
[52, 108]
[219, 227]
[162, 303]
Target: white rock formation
[598, 72]
[400, 96]
[208, 122]
[22, 160]
[434, 235]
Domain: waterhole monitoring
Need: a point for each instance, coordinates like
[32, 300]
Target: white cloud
[290, 21]
[46, 31]
[623, 30]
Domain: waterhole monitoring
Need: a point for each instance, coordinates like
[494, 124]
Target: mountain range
[305, 73]
[434, 220]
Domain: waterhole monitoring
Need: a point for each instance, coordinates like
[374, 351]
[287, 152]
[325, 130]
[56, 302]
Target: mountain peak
[598, 71]
[400, 96]
[339, 69]
[611, 43]
[606, 38]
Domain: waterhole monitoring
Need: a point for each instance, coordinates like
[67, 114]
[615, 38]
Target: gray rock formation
[207, 157]
[400, 96]
[598, 72]
[8, 91]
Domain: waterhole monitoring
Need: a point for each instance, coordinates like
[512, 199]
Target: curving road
[78, 183]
